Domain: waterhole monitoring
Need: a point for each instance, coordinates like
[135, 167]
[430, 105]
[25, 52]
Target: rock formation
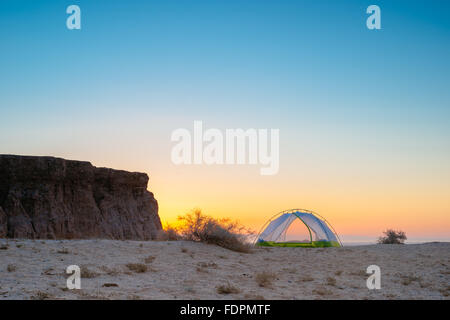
[53, 198]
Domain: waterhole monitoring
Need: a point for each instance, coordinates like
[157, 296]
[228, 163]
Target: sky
[364, 115]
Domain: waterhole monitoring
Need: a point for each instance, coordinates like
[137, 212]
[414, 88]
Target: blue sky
[139, 69]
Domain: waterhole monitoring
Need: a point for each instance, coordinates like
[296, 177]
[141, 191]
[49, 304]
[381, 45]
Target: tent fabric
[275, 232]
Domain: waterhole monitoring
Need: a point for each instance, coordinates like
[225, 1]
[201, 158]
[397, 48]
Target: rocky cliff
[52, 198]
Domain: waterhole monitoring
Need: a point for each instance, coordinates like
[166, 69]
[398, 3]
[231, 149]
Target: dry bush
[222, 232]
[265, 279]
[137, 267]
[4, 246]
[392, 237]
[227, 289]
[149, 259]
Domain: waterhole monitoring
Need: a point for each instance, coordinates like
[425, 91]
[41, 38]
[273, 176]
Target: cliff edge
[53, 198]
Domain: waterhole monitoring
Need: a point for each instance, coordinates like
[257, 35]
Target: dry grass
[359, 273]
[4, 246]
[224, 233]
[305, 279]
[41, 295]
[11, 268]
[168, 234]
[87, 273]
[331, 281]
[110, 271]
[227, 289]
[265, 279]
[137, 267]
[254, 297]
[212, 265]
[407, 280]
[149, 259]
[63, 251]
[108, 285]
[322, 292]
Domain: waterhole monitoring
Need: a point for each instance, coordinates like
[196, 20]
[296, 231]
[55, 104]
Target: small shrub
[224, 233]
[137, 267]
[227, 289]
[265, 279]
[4, 246]
[149, 259]
[392, 237]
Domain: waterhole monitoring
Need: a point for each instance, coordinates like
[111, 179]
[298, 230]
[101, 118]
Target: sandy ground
[186, 270]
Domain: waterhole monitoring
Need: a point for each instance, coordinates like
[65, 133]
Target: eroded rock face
[53, 198]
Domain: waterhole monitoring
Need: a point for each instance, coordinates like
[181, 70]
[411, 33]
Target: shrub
[392, 237]
[227, 289]
[137, 267]
[222, 232]
[265, 279]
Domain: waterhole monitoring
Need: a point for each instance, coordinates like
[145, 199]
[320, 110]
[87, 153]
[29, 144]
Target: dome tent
[321, 233]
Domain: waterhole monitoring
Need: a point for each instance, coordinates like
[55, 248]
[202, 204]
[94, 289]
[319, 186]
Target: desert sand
[111, 269]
